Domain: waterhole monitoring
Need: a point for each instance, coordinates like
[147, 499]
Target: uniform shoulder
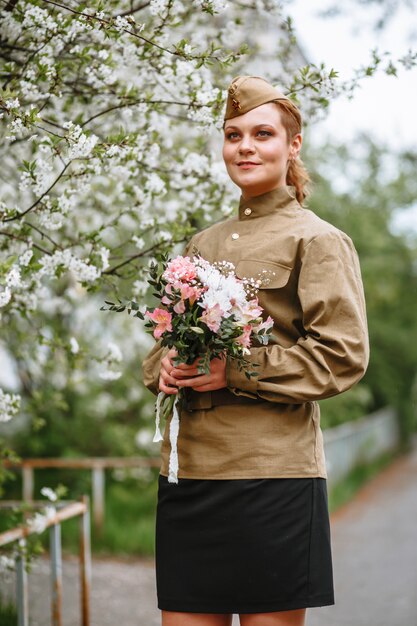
[317, 228]
[210, 230]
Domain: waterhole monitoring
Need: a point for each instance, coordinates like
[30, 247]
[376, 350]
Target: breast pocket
[272, 275]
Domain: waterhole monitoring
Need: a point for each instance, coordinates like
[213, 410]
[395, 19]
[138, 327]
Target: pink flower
[244, 338]
[190, 292]
[180, 269]
[162, 319]
[212, 317]
[179, 307]
[250, 311]
[267, 324]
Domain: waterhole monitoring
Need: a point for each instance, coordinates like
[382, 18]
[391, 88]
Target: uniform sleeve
[151, 366]
[332, 353]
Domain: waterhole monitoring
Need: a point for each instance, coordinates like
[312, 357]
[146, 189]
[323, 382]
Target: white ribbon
[174, 428]
[158, 436]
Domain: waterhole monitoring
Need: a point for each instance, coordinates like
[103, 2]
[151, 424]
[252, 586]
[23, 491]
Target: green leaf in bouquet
[197, 329]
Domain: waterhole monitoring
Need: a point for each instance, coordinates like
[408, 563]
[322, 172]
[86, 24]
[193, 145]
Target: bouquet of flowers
[205, 312]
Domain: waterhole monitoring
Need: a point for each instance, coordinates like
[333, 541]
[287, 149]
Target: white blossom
[9, 405]
[51, 220]
[158, 6]
[155, 184]
[121, 23]
[114, 352]
[12, 103]
[13, 278]
[104, 253]
[74, 345]
[82, 270]
[25, 258]
[5, 296]
[39, 521]
[80, 144]
[110, 375]
[140, 287]
[49, 493]
[139, 242]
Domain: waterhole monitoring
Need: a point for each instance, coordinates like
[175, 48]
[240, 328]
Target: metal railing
[97, 465]
[68, 511]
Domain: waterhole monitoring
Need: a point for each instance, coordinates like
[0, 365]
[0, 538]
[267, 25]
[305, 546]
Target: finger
[180, 374]
[196, 381]
[167, 379]
[167, 389]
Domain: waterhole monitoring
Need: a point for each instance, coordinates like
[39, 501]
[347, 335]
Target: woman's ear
[296, 143]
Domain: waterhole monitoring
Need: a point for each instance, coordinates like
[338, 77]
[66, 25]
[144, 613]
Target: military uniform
[314, 294]
[246, 529]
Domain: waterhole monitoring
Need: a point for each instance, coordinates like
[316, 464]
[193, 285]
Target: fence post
[27, 474]
[56, 574]
[98, 497]
[85, 563]
[22, 587]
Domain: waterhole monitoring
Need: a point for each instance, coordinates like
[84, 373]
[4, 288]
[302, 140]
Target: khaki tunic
[319, 346]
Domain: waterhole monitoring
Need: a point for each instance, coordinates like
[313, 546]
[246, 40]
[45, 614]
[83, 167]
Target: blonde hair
[297, 174]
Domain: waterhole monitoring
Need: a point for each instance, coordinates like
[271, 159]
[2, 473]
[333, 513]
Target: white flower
[13, 278]
[5, 296]
[51, 221]
[164, 235]
[81, 145]
[113, 150]
[104, 255]
[155, 184]
[49, 493]
[114, 352]
[74, 345]
[13, 103]
[121, 23]
[158, 6]
[83, 271]
[110, 375]
[25, 258]
[139, 242]
[39, 522]
[140, 287]
[9, 405]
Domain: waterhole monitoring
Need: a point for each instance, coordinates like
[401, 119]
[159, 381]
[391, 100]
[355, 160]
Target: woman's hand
[167, 383]
[173, 377]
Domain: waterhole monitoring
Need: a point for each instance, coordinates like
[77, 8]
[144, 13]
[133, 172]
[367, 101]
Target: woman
[246, 530]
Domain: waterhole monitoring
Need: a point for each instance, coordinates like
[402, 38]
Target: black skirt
[243, 545]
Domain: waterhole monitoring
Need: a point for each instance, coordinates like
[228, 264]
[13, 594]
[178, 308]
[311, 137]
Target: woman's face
[256, 150]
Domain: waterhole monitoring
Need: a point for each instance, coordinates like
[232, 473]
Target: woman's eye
[264, 133]
[231, 135]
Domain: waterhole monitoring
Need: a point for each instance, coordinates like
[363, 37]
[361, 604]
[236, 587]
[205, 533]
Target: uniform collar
[266, 203]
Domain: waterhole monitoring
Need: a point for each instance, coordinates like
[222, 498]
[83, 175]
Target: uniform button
[248, 211]
[235, 236]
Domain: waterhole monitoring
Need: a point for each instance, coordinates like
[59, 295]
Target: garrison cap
[248, 92]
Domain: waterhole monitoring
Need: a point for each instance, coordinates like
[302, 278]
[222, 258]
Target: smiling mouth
[247, 164]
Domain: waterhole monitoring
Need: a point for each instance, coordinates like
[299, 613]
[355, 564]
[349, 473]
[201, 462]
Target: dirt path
[375, 561]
